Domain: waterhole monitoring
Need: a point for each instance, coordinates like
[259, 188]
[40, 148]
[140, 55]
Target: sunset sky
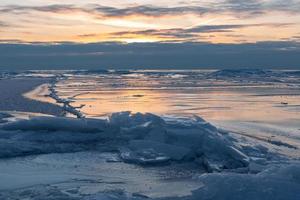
[218, 21]
[181, 34]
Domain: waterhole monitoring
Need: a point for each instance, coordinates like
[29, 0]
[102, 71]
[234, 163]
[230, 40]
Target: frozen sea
[150, 134]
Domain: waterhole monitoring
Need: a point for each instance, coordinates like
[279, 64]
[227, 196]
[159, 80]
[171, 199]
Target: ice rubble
[278, 183]
[147, 139]
[66, 103]
[246, 73]
[139, 138]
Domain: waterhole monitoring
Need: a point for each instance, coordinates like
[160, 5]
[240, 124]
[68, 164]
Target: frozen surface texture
[140, 138]
[253, 155]
[222, 169]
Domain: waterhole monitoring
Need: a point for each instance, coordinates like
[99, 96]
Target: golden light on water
[104, 102]
[215, 104]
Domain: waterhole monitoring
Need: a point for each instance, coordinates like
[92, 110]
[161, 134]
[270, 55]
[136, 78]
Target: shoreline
[41, 93]
[13, 96]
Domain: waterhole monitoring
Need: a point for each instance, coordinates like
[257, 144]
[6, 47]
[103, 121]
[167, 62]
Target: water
[184, 93]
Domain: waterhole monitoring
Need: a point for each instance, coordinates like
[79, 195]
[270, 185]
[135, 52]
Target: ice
[280, 182]
[86, 173]
[216, 187]
[53, 124]
[246, 73]
[3, 117]
[126, 120]
[150, 152]
[66, 103]
[140, 138]
[116, 195]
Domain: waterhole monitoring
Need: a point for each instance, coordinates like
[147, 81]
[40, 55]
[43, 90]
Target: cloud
[49, 8]
[149, 10]
[150, 55]
[102, 19]
[249, 7]
[253, 7]
[161, 33]
[106, 11]
[193, 33]
[3, 24]
[230, 27]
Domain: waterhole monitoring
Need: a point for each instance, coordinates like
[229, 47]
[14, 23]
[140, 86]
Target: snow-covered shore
[12, 99]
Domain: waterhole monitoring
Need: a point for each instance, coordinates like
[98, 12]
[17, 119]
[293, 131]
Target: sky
[220, 21]
[119, 23]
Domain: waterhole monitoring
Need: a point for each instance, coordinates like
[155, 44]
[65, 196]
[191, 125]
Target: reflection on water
[261, 106]
[184, 93]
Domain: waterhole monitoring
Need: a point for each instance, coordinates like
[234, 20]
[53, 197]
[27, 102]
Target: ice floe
[139, 138]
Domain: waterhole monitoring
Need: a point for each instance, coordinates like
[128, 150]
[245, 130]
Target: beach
[12, 99]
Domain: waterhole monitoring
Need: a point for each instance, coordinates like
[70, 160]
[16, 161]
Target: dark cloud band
[149, 55]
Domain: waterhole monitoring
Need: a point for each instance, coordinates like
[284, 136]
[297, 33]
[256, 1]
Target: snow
[11, 91]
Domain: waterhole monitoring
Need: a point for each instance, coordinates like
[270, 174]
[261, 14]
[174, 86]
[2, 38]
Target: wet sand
[12, 99]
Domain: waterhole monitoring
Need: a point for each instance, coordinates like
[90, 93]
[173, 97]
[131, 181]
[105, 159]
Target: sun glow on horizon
[145, 22]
